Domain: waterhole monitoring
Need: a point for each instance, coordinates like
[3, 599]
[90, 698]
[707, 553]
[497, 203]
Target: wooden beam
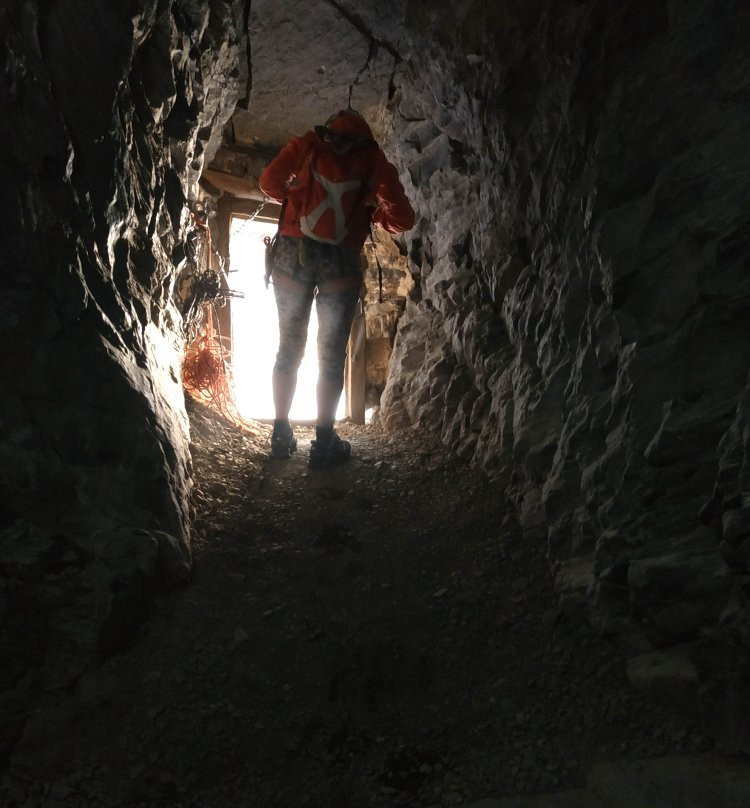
[241, 187]
[224, 313]
[355, 369]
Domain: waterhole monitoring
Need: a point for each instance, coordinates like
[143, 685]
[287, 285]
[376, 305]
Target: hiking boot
[283, 442]
[334, 451]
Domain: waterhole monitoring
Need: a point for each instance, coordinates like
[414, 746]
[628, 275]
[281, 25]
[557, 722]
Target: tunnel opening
[255, 330]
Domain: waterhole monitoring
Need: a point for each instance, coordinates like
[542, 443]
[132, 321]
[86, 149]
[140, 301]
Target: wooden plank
[224, 313]
[241, 187]
[355, 369]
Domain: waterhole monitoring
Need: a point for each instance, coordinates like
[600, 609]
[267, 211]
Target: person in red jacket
[333, 182]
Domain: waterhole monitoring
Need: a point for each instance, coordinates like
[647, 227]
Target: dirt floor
[373, 635]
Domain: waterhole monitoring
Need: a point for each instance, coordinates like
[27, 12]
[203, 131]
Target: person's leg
[335, 309]
[335, 313]
[293, 303]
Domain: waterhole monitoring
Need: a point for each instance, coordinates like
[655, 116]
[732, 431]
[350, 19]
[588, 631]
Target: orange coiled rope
[208, 379]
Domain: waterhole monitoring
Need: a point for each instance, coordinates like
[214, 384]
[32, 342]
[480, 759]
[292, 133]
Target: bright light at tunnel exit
[255, 331]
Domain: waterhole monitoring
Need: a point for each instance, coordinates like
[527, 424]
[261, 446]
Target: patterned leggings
[335, 271]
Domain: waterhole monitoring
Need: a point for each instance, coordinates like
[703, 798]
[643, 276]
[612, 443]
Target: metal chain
[243, 223]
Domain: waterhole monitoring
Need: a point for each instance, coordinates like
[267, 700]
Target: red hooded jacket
[333, 197]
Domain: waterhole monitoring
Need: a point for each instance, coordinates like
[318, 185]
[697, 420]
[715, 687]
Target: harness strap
[271, 245]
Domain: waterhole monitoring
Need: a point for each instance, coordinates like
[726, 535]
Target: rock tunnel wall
[107, 110]
[579, 324]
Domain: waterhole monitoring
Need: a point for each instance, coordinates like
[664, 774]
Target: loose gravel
[373, 635]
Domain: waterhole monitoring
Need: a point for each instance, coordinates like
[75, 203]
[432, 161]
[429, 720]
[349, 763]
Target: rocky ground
[373, 635]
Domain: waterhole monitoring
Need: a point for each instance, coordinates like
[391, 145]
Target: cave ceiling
[305, 57]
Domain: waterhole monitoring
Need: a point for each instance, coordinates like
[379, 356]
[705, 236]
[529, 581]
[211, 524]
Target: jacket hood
[349, 122]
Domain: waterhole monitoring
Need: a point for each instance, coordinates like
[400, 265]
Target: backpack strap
[358, 199]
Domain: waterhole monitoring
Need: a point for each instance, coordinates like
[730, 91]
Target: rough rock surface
[106, 111]
[387, 283]
[579, 325]
[373, 635]
[307, 57]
